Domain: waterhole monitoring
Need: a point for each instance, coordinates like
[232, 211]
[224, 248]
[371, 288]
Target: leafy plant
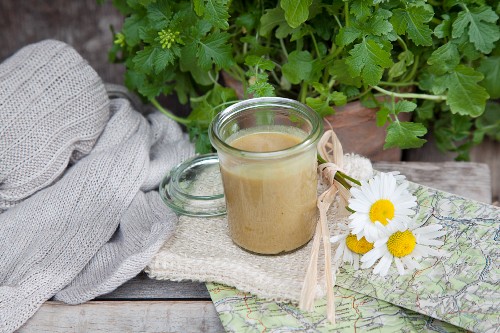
[438, 60]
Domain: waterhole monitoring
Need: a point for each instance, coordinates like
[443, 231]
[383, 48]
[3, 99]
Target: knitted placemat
[202, 250]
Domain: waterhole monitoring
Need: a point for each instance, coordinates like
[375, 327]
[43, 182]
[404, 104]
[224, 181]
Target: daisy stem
[342, 181]
[355, 181]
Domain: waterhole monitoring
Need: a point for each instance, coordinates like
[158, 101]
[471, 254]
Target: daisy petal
[348, 256]
[411, 264]
[371, 257]
[383, 266]
[356, 261]
[399, 266]
[360, 207]
[339, 252]
[336, 238]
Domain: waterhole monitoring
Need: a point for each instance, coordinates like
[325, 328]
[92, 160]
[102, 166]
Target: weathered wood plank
[471, 180]
[117, 316]
[142, 287]
[487, 152]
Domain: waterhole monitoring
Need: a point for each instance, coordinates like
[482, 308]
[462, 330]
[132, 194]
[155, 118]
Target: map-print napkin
[462, 287]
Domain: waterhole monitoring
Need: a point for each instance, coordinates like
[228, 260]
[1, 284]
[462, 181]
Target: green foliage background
[439, 60]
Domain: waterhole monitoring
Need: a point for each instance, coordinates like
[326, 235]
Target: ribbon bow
[331, 153]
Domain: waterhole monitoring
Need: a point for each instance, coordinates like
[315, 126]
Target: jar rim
[285, 103]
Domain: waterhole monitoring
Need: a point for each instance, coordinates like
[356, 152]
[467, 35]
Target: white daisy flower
[381, 200]
[403, 247]
[350, 249]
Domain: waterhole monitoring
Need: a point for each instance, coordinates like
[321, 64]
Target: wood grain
[116, 316]
[142, 287]
[470, 180]
[488, 152]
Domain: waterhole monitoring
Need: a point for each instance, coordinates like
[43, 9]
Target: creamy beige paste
[271, 205]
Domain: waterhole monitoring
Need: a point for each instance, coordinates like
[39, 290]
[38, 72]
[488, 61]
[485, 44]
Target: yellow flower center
[358, 246]
[382, 210]
[401, 244]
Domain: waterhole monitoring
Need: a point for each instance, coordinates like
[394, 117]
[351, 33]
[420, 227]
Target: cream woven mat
[201, 250]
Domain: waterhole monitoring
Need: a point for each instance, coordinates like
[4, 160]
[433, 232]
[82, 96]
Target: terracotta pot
[356, 128]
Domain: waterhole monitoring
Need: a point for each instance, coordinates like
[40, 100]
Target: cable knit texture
[78, 213]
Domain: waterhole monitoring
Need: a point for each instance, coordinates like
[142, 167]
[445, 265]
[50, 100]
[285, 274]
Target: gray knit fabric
[78, 211]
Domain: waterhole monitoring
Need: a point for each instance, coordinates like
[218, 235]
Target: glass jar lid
[194, 187]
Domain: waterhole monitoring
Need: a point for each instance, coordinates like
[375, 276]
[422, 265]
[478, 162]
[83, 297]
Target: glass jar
[268, 159]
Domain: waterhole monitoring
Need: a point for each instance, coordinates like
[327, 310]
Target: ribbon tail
[308, 288]
[324, 202]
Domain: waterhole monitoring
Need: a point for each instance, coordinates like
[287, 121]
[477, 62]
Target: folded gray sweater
[79, 211]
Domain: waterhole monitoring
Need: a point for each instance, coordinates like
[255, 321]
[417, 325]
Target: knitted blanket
[79, 214]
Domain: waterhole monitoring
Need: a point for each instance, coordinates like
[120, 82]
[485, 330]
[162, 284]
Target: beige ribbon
[330, 150]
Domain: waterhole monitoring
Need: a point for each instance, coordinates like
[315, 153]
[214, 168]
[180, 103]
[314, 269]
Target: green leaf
[413, 21]
[199, 7]
[350, 91]
[296, 11]
[404, 106]
[368, 59]
[159, 11]
[199, 135]
[361, 9]
[261, 62]
[347, 35]
[183, 87]
[340, 72]
[298, 67]
[443, 30]
[207, 106]
[247, 20]
[405, 135]
[378, 24]
[369, 101]
[163, 57]
[261, 89]
[271, 19]
[320, 105]
[382, 116]
[481, 25]
[426, 110]
[338, 98]
[406, 59]
[121, 5]
[214, 49]
[216, 12]
[131, 28]
[465, 96]
[489, 122]
[188, 63]
[148, 35]
[134, 79]
[445, 59]
[144, 60]
[490, 67]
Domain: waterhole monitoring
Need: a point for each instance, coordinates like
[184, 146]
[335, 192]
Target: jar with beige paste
[267, 155]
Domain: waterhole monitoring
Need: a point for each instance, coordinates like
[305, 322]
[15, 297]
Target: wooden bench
[146, 305]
